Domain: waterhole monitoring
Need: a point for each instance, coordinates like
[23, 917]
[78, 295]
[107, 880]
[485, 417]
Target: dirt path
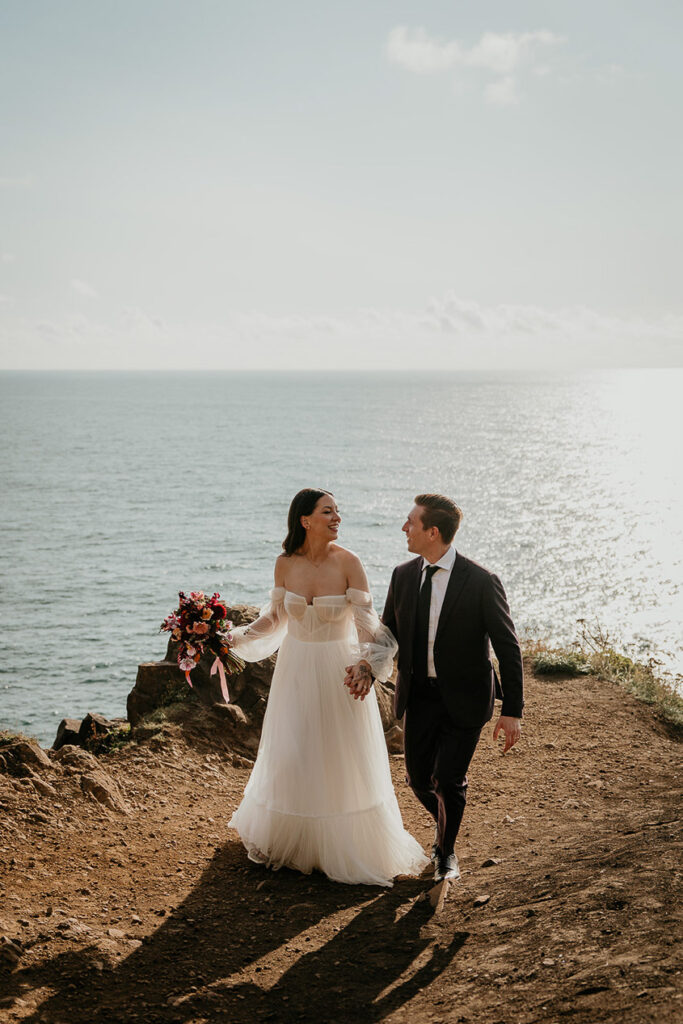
[157, 915]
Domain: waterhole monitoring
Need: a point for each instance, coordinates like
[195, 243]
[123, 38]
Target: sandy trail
[156, 915]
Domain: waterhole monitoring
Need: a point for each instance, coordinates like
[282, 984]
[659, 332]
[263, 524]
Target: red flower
[220, 611]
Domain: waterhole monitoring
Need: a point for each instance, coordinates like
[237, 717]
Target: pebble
[480, 901]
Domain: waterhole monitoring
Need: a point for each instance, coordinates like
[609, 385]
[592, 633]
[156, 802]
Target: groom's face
[418, 538]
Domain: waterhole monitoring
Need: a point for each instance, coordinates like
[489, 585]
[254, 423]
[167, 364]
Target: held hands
[512, 727]
[358, 679]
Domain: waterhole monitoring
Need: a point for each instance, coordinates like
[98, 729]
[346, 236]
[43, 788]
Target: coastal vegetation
[594, 652]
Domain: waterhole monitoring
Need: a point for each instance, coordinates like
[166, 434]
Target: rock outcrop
[161, 684]
[23, 758]
[67, 732]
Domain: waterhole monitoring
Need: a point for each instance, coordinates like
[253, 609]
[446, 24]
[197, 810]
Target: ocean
[119, 489]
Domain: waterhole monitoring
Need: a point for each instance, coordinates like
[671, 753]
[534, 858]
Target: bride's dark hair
[303, 504]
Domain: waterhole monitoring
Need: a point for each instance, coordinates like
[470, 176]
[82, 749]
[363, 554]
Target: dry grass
[594, 653]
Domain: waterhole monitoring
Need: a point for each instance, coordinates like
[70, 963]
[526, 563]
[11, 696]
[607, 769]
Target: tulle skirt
[320, 794]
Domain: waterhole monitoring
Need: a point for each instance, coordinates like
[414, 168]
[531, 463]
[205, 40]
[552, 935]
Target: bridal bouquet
[200, 624]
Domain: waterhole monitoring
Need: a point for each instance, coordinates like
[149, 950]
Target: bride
[320, 793]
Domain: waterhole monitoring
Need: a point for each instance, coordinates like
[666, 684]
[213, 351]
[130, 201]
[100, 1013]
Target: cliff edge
[124, 896]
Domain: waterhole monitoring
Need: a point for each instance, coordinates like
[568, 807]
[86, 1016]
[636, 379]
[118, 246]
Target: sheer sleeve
[262, 637]
[376, 643]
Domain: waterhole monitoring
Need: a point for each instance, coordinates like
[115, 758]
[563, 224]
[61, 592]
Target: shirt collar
[445, 562]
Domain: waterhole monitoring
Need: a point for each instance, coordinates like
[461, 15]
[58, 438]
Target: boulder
[75, 757]
[394, 739]
[385, 702]
[95, 729]
[160, 684]
[20, 756]
[67, 732]
[103, 790]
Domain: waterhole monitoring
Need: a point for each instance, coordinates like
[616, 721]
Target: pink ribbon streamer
[189, 681]
[218, 667]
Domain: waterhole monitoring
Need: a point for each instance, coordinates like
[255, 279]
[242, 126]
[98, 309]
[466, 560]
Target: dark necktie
[424, 600]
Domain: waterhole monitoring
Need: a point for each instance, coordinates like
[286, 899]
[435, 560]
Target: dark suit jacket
[475, 611]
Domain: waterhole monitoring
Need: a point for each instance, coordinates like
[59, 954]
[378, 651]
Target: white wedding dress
[320, 794]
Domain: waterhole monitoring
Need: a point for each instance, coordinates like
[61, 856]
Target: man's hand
[358, 679]
[512, 727]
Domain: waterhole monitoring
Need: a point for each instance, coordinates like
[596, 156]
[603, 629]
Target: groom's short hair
[441, 512]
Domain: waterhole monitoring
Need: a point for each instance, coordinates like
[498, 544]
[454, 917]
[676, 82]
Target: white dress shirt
[439, 583]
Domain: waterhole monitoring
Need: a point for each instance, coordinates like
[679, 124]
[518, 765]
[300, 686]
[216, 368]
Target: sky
[199, 184]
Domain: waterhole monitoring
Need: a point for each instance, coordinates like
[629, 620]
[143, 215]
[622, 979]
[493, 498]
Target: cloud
[503, 53]
[499, 54]
[83, 288]
[419, 52]
[449, 332]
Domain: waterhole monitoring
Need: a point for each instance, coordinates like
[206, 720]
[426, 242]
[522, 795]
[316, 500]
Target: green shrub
[594, 653]
[559, 662]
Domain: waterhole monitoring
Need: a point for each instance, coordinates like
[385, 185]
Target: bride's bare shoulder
[345, 555]
[280, 570]
[355, 572]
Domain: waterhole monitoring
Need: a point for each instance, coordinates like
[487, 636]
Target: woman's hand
[359, 679]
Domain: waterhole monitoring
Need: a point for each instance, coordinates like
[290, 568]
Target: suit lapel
[459, 574]
[412, 590]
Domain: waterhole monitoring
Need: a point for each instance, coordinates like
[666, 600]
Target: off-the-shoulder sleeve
[263, 636]
[376, 643]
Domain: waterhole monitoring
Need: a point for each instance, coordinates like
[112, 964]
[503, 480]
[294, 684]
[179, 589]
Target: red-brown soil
[156, 915]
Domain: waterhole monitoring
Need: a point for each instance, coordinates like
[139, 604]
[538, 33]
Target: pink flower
[190, 651]
[186, 664]
[197, 595]
[200, 628]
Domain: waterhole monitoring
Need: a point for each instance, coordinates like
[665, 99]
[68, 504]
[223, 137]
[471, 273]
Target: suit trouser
[438, 753]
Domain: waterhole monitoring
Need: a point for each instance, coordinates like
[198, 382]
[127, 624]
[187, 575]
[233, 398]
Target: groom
[443, 610]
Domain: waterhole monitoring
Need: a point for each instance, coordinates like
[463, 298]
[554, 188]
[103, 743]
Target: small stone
[548, 962]
[481, 901]
[44, 788]
[508, 820]
[231, 713]
[299, 907]
[116, 933]
[10, 951]
[240, 762]
[491, 862]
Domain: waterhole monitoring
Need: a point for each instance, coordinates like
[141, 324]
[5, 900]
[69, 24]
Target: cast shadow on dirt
[234, 952]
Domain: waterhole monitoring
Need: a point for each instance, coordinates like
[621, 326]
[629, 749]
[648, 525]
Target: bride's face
[323, 522]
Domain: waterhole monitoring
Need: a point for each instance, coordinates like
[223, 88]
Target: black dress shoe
[446, 867]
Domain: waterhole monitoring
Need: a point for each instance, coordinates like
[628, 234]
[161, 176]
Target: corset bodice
[326, 619]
